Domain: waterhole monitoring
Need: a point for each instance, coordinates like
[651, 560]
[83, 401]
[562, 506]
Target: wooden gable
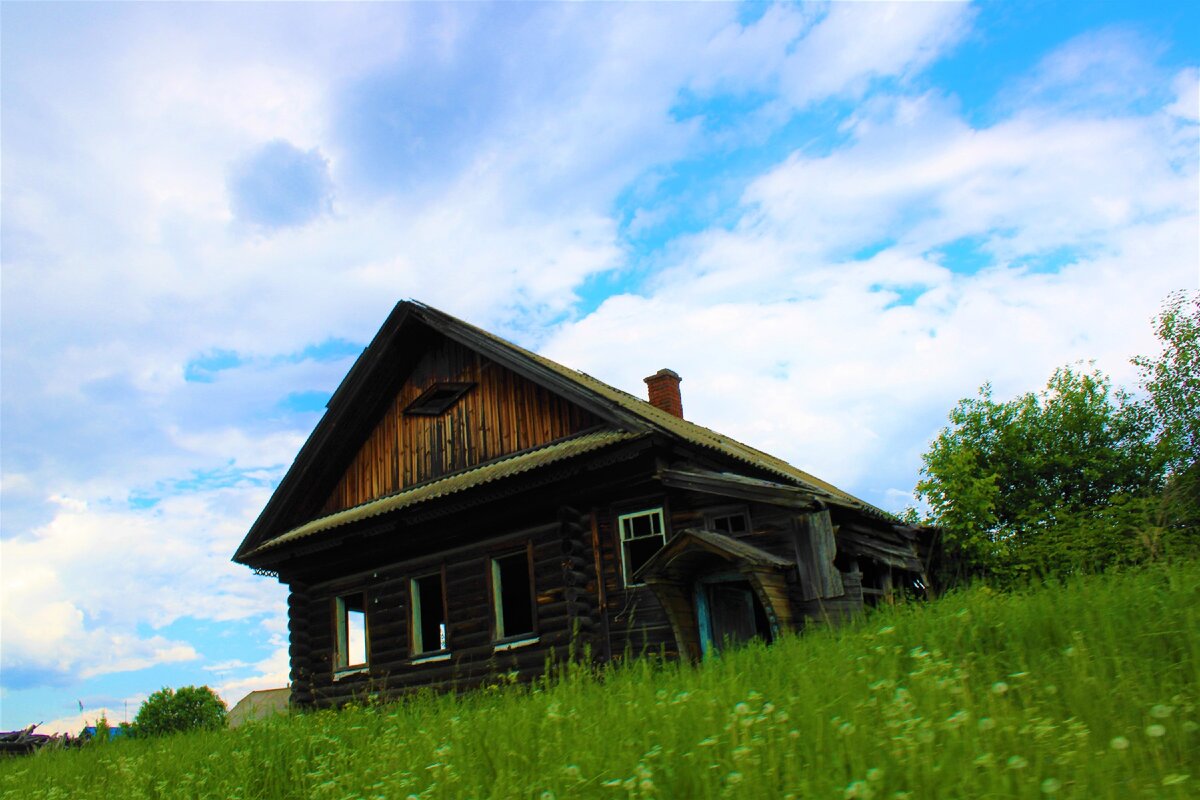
[499, 413]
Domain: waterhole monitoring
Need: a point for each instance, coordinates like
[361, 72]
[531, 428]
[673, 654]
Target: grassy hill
[1087, 689]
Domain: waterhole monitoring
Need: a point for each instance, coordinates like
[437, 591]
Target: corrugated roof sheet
[682, 428]
[451, 484]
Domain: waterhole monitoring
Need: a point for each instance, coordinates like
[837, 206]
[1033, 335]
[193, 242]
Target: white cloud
[855, 43]
[77, 591]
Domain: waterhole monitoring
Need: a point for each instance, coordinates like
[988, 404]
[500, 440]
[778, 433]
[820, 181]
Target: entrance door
[730, 614]
[731, 606]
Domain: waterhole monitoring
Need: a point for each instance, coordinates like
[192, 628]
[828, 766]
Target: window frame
[724, 512]
[341, 635]
[417, 650]
[501, 639]
[660, 511]
[423, 405]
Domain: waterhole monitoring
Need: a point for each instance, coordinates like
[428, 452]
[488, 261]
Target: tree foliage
[1173, 379]
[1079, 476]
[170, 711]
[1007, 481]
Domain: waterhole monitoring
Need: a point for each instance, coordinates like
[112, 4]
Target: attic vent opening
[437, 399]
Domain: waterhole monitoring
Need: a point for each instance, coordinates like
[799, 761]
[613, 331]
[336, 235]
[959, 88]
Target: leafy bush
[1078, 477]
[189, 708]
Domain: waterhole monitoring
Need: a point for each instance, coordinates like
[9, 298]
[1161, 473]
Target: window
[437, 399]
[512, 595]
[350, 614]
[728, 522]
[641, 537]
[428, 623]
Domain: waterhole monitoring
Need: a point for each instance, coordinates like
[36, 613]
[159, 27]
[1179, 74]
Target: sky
[834, 221]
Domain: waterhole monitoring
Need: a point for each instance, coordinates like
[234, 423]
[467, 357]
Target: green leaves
[1079, 476]
[1007, 481]
[190, 708]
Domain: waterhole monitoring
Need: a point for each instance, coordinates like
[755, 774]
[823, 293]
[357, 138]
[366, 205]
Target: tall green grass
[1084, 689]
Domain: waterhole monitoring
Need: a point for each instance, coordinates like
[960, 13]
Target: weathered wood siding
[565, 619]
[503, 413]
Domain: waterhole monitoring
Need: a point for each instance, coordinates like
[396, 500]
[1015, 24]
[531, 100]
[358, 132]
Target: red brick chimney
[664, 392]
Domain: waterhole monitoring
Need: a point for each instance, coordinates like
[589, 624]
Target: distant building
[259, 705]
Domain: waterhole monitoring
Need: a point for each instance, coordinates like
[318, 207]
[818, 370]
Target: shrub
[189, 708]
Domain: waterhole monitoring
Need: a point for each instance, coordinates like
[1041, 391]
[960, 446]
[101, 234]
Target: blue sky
[832, 220]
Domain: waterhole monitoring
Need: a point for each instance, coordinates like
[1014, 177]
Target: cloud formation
[279, 185]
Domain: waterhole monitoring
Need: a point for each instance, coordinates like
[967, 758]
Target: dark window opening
[512, 595]
[428, 615]
[437, 399]
[732, 524]
[641, 537]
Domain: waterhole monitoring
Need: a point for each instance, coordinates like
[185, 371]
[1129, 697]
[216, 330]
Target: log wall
[502, 414]
[565, 621]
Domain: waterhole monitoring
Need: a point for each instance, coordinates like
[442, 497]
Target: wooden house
[466, 509]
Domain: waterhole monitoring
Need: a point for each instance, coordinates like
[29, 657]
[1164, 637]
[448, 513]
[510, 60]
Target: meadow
[1086, 688]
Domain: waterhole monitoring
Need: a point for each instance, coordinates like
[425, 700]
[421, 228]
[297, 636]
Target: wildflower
[1160, 711]
[572, 771]
[1155, 731]
[741, 708]
[646, 785]
[547, 795]
[859, 789]
[793, 734]
[999, 687]
[1017, 762]
[1051, 785]
[1119, 743]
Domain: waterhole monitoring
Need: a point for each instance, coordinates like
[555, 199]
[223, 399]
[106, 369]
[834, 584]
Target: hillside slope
[1087, 689]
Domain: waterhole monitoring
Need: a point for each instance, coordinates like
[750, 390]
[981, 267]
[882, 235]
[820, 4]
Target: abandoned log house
[466, 508]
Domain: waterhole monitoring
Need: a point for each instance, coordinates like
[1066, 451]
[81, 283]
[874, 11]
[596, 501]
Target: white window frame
[661, 534]
[341, 661]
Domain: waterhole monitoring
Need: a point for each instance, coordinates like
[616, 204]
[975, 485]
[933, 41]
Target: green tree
[170, 711]
[1025, 484]
[1173, 379]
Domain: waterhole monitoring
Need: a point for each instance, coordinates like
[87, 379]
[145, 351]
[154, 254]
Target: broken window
[437, 399]
[350, 613]
[428, 621]
[512, 595]
[731, 523]
[641, 537]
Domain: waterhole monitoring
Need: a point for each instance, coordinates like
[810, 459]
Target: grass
[1083, 689]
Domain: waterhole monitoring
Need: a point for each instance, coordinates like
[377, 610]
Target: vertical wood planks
[503, 413]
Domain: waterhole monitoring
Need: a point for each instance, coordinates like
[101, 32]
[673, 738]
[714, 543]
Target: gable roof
[393, 350]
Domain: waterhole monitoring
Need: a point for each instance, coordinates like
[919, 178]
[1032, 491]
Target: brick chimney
[664, 392]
